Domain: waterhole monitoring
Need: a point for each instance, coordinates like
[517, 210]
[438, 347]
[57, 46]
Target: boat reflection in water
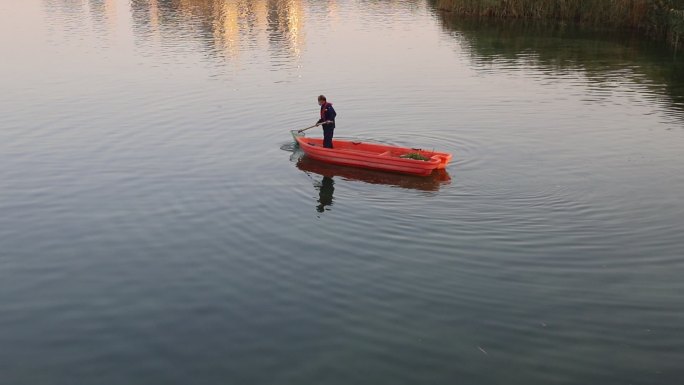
[433, 182]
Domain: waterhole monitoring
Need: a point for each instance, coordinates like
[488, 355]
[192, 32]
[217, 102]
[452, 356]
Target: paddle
[315, 125]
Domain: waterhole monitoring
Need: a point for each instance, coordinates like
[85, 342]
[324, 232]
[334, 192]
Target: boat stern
[443, 160]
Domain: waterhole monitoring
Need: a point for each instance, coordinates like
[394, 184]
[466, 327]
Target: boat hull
[432, 182]
[373, 156]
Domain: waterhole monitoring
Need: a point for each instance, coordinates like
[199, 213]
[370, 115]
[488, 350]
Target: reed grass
[662, 19]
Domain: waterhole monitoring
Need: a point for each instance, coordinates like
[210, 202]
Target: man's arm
[330, 113]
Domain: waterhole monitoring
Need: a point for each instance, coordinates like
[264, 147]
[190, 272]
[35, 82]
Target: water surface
[158, 226]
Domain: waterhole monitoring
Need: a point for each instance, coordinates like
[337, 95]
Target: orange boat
[432, 182]
[374, 156]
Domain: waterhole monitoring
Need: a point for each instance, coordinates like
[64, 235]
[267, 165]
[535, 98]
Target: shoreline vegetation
[609, 60]
[659, 19]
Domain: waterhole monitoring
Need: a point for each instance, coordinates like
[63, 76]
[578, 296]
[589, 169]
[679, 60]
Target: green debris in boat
[414, 155]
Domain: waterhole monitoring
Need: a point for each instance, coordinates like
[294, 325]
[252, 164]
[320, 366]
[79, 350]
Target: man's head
[321, 100]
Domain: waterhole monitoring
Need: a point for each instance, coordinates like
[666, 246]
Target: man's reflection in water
[325, 193]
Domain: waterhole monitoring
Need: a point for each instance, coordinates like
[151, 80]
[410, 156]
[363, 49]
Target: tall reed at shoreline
[657, 18]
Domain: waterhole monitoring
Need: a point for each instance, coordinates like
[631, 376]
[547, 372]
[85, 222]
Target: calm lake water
[157, 225]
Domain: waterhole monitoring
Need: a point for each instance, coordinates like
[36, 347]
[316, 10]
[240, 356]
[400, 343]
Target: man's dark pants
[327, 136]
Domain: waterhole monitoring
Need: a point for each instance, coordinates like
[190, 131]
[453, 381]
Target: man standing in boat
[328, 120]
